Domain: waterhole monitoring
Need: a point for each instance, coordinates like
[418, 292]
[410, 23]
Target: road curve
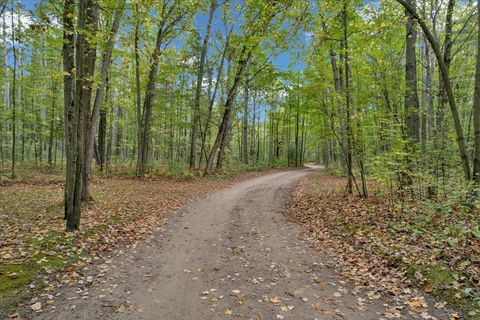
[231, 255]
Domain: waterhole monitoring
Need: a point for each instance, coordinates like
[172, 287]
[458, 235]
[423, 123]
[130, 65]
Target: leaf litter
[363, 238]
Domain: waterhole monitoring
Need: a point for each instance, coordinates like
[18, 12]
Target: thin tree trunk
[198, 91]
[102, 133]
[14, 94]
[232, 94]
[427, 97]
[138, 94]
[147, 106]
[214, 95]
[411, 93]
[245, 120]
[92, 124]
[84, 54]
[348, 128]
[476, 106]
[52, 124]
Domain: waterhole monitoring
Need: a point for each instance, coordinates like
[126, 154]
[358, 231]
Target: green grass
[48, 258]
[11, 289]
[443, 279]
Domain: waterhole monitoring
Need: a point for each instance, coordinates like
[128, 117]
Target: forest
[115, 113]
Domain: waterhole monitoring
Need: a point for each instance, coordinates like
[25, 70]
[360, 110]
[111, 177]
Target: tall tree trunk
[138, 94]
[441, 125]
[147, 106]
[68, 100]
[253, 150]
[232, 94]
[52, 123]
[102, 138]
[84, 54]
[476, 105]
[427, 87]
[297, 115]
[14, 94]
[198, 91]
[245, 120]
[91, 124]
[348, 125]
[224, 144]
[411, 93]
[214, 95]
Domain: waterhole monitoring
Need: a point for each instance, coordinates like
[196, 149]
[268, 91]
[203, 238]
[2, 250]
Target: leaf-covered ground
[36, 253]
[409, 252]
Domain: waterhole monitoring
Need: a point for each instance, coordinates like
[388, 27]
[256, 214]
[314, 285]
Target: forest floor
[408, 250]
[229, 255]
[36, 255]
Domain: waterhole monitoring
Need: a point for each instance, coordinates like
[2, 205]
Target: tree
[448, 87]
[84, 64]
[14, 91]
[172, 18]
[256, 30]
[411, 94]
[93, 115]
[476, 106]
[198, 92]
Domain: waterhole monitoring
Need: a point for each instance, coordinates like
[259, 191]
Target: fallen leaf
[428, 288]
[37, 306]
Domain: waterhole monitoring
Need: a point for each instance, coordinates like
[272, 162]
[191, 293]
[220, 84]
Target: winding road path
[231, 255]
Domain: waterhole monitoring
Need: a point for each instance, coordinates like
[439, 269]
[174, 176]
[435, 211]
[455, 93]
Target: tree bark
[68, 100]
[52, 123]
[476, 106]
[348, 125]
[14, 94]
[427, 97]
[412, 122]
[84, 54]
[214, 95]
[245, 120]
[147, 106]
[138, 94]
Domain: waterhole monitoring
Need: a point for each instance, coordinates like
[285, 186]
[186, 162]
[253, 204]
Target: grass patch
[442, 281]
[11, 288]
[52, 252]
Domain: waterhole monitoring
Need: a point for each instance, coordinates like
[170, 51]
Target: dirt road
[232, 255]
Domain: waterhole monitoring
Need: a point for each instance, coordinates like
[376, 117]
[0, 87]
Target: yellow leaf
[428, 288]
[416, 302]
[275, 299]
